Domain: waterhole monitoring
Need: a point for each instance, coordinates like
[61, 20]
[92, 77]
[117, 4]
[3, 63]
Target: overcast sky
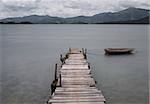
[65, 8]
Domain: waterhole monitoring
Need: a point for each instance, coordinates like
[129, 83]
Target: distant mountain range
[127, 16]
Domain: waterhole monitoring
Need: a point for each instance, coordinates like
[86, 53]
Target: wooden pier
[75, 84]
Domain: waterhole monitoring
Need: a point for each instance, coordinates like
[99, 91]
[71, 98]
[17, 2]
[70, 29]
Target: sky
[66, 8]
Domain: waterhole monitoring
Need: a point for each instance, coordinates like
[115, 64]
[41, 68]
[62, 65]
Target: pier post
[82, 50]
[61, 58]
[85, 51]
[55, 71]
[89, 66]
[66, 56]
[85, 56]
[60, 79]
[69, 50]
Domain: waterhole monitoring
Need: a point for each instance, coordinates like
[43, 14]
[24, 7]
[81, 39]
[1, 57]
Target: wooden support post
[66, 56]
[69, 50]
[82, 50]
[61, 57]
[89, 66]
[55, 71]
[60, 79]
[85, 51]
[85, 56]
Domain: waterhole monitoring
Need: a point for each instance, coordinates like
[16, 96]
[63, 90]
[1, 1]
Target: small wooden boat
[115, 51]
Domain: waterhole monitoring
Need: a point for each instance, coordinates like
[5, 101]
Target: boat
[116, 51]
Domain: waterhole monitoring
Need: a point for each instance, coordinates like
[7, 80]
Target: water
[29, 54]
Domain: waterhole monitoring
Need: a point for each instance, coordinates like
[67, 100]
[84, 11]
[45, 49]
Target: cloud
[17, 8]
[133, 3]
[65, 8]
[12, 8]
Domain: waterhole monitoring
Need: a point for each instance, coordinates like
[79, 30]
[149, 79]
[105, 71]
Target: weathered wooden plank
[75, 76]
[77, 86]
[81, 60]
[102, 99]
[78, 82]
[79, 97]
[77, 90]
[78, 93]
[78, 54]
[85, 71]
[75, 72]
[80, 103]
[75, 67]
[74, 57]
[96, 99]
[66, 89]
[82, 79]
[76, 100]
[72, 60]
[75, 50]
[76, 63]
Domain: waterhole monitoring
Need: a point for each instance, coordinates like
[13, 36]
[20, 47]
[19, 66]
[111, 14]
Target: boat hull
[118, 51]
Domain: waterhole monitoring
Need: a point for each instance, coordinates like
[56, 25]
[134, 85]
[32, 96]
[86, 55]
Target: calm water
[29, 53]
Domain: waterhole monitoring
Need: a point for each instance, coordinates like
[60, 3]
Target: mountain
[144, 20]
[128, 15]
[34, 19]
[125, 15]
